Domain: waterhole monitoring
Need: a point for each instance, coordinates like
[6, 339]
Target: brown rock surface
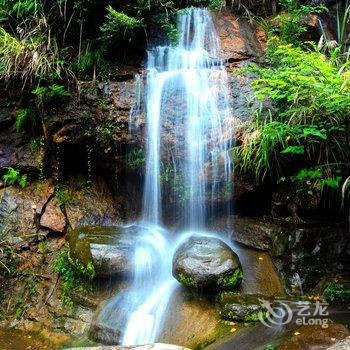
[240, 40]
[315, 337]
[53, 217]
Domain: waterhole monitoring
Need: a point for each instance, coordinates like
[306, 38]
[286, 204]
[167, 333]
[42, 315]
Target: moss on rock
[187, 281]
[230, 279]
[242, 308]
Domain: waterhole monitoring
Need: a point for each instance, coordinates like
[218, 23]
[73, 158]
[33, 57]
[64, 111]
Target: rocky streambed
[270, 255]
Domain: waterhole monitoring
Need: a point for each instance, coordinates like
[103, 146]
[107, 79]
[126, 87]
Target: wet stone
[206, 263]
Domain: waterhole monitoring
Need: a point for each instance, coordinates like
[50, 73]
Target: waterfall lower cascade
[186, 102]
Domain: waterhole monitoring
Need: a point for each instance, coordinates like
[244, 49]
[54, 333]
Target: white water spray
[187, 100]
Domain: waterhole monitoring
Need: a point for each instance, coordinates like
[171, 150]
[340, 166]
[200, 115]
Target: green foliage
[50, 94]
[168, 24]
[289, 24]
[29, 58]
[25, 116]
[14, 177]
[337, 293]
[255, 316]
[230, 280]
[261, 153]
[118, 26]
[36, 143]
[187, 281]
[216, 4]
[75, 276]
[308, 127]
[92, 63]
[338, 48]
[136, 158]
[313, 180]
[62, 197]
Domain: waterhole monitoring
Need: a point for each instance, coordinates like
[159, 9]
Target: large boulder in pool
[203, 262]
[109, 249]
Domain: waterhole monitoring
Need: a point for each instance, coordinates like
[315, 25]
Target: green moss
[337, 293]
[255, 316]
[187, 281]
[76, 277]
[230, 280]
[220, 331]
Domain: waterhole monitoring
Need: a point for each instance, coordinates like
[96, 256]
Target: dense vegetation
[48, 46]
[46, 41]
[303, 138]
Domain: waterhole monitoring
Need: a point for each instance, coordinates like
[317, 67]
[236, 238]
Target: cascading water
[187, 114]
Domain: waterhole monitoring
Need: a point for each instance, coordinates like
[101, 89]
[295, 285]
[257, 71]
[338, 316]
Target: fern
[13, 177]
[25, 116]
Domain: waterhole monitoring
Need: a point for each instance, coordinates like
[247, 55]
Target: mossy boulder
[241, 308]
[108, 249]
[203, 262]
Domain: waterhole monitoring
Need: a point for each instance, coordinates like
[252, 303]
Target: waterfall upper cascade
[186, 97]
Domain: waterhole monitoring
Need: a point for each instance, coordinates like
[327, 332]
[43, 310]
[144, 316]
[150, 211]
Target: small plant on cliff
[62, 197]
[337, 293]
[14, 177]
[136, 158]
[168, 24]
[75, 276]
[25, 116]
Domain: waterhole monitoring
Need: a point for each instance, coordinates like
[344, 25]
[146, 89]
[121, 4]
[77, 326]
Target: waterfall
[187, 122]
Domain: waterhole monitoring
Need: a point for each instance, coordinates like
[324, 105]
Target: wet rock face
[206, 263]
[91, 206]
[107, 248]
[315, 337]
[237, 307]
[200, 313]
[15, 147]
[20, 208]
[251, 232]
[302, 255]
[341, 345]
[53, 217]
[240, 40]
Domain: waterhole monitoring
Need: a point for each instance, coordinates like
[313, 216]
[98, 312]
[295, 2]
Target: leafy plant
[51, 93]
[136, 158]
[92, 64]
[168, 24]
[13, 177]
[62, 197]
[317, 178]
[308, 127]
[37, 143]
[25, 116]
[118, 26]
[337, 293]
[288, 25]
[75, 276]
[29, 58]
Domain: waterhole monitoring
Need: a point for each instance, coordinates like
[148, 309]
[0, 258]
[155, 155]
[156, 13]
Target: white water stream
[186, 98]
